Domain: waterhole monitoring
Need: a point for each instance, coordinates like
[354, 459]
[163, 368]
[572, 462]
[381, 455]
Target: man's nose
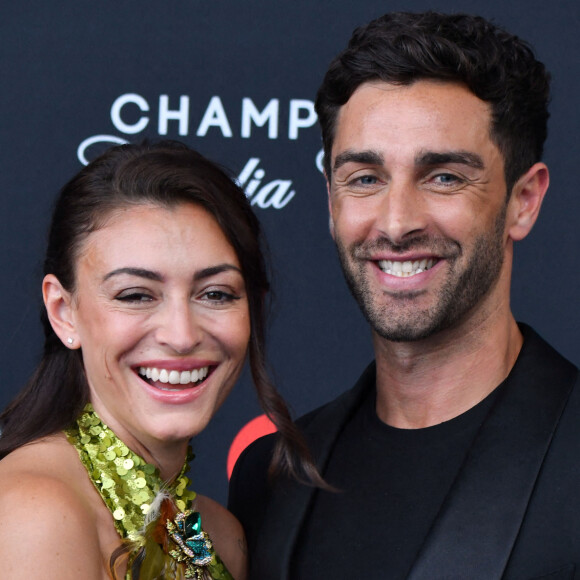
[401, 212]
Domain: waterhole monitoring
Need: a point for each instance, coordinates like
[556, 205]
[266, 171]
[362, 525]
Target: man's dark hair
[499, 68]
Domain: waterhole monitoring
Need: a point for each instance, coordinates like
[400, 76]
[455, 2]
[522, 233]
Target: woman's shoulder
[226, 533]
[44, 466]
[50, 466]
[44, 512]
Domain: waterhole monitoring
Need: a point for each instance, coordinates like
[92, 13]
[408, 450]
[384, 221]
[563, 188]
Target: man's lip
[406, 269]
[410, 257]
[416, 281]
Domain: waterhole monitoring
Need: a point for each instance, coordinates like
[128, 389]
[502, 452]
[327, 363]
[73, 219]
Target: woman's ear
[526, 200]
[59, 307]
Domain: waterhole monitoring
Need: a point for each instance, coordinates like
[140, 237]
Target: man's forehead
[432, 92]
[388, 87]
[424, 116]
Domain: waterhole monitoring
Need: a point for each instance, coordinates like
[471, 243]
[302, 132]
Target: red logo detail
[251, 431]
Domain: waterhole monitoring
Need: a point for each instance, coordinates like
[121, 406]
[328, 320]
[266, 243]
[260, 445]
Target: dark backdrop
[66, 70]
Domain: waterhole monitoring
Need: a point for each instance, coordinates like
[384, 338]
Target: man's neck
[424, 383]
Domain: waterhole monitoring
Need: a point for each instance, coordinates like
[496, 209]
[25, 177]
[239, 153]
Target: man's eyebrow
[213, 270]
[140, 272]
[367, 157]
[462, 157]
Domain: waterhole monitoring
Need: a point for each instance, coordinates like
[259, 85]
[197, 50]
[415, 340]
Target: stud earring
[70, 340]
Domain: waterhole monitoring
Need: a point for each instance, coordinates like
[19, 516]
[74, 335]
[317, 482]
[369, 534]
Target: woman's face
[161, 314]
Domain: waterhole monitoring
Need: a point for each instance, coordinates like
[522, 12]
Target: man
[456, 454]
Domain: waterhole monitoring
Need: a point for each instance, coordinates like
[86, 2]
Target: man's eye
[366, 180]
[447, 178]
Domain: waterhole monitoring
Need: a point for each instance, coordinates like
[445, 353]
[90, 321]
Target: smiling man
[455, 455]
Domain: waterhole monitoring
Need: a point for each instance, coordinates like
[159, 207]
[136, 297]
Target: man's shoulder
[538, 354]
[256, 458]
[250, 486]
[335, 410]
[259, 453]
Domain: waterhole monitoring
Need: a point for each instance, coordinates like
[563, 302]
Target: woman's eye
[219, 296]
[132, 296]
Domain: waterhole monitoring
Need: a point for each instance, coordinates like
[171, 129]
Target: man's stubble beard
[459, 294]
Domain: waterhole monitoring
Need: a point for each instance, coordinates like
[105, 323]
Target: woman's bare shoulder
[39, 466]
[227, 535]
[44, 515]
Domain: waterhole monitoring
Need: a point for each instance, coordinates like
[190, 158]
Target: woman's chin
[177, 428]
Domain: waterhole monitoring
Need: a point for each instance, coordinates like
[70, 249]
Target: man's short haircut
[499, 68]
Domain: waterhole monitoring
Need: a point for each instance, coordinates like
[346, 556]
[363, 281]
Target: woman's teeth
[408, 268]
[172, 377]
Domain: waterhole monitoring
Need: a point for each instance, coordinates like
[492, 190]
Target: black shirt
[393, 483]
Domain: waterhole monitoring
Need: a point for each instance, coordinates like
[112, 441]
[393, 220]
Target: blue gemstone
[193, 524]
[198, 546]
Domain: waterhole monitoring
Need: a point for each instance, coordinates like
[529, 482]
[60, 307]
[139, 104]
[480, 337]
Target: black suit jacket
[513, 511]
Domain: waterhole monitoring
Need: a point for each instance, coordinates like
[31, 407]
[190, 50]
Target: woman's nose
[178, 327]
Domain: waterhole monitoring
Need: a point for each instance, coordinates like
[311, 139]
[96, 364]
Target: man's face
[417, 199]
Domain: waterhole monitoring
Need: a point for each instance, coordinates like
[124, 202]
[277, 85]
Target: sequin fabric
[128, 484]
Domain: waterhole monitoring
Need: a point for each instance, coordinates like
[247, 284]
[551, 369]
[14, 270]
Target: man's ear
[526, 200]
[330, 218]
[59, 307]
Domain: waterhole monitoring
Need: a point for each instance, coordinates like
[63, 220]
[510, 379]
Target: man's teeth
[405, 269]
[174, 377]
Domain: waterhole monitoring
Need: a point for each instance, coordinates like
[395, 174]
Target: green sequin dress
[129, 487]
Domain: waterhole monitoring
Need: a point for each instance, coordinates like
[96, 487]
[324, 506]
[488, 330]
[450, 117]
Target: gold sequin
[127, 483]
[108, 483]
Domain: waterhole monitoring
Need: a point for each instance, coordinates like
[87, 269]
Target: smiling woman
[154, 296]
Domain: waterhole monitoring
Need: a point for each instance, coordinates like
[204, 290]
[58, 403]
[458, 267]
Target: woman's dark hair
[164, 174]
[499, 68]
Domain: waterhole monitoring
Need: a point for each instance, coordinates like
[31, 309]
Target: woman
[154, 293]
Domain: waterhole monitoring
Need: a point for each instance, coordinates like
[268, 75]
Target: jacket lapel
[290, 500]
[479, 521]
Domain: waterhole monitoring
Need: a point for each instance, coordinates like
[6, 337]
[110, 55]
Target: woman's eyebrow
[157, 277]
[140, 272]
[213, 270]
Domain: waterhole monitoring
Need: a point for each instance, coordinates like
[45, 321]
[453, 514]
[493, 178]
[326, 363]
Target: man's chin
[405, 334]
[414, 327]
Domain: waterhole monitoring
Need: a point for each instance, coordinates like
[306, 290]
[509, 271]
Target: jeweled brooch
[194, 545]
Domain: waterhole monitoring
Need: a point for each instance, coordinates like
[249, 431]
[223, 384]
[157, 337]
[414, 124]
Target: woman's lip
[178, 395]
[154, 375]
[175, 365]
